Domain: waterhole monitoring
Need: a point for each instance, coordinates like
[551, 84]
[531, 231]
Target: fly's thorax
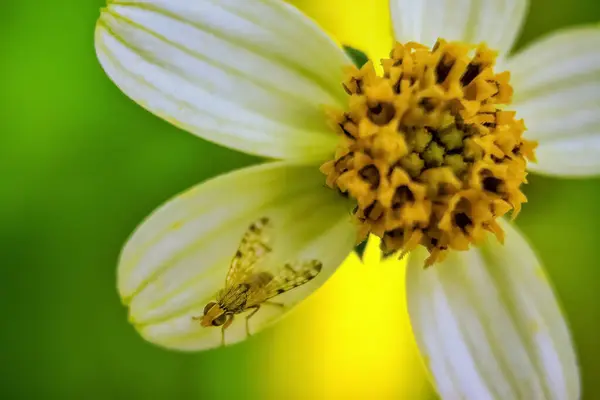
[233, 299]
[428, 150]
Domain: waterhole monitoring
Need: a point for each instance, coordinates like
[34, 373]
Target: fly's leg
[274, 304]
[256, 308]
[225, 326]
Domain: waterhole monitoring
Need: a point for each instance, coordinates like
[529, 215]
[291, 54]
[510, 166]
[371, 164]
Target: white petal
[177, 260]
[489, 325]
[251, 75]
[557, 92]
[496, 22]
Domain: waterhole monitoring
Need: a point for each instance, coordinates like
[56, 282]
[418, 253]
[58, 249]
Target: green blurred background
[81, 165]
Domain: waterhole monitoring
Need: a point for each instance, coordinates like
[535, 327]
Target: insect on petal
[178, 259]
[489, 326]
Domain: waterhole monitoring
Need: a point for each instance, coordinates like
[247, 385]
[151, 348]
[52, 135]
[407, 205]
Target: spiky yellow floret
[427, 150]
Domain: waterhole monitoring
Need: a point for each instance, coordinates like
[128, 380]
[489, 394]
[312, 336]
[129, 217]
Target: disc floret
[427, 150]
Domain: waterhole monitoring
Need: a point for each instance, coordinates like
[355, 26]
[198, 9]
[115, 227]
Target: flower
[260, 77]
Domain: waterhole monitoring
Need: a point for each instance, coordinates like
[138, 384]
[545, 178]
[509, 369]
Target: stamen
[428, 151]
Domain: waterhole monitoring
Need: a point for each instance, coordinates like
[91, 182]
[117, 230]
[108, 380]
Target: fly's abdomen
[260, 279]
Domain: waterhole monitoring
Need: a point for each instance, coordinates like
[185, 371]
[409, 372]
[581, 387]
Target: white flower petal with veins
[489, 325]
[557, 92]
[250, 75]
[496, 22]
[177, 260]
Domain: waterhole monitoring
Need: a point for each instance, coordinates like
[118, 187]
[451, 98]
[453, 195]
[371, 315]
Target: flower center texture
[427, 150]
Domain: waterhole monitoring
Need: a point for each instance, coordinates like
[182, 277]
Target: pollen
[428, 150]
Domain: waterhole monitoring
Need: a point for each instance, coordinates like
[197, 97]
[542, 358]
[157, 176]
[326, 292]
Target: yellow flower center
[427, 150]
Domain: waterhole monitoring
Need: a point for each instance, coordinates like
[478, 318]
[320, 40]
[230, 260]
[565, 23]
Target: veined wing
[253, 246]
[285, 278]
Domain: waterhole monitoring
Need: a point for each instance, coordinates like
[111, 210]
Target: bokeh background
[81, 165]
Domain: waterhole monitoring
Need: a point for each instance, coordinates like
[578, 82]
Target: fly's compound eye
[208, 307]
[220, 320]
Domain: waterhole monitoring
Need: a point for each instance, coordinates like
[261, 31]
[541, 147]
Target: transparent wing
[253, 246]
[287, 277]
